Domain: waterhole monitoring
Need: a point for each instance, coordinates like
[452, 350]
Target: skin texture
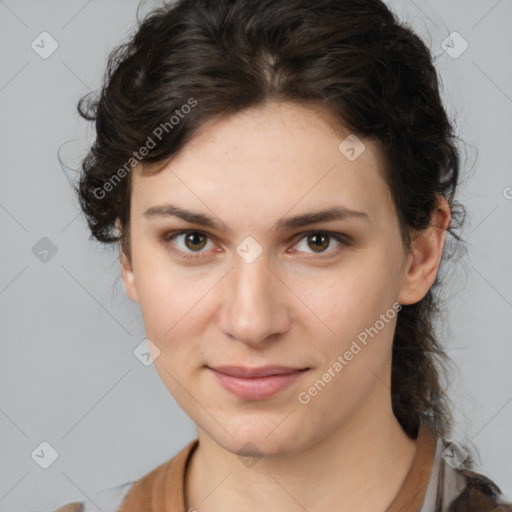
[295, 305]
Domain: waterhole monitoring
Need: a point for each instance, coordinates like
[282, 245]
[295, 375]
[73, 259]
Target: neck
[348, 470]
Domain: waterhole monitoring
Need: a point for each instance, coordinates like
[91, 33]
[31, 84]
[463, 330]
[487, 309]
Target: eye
[193, 242]
[320, 240]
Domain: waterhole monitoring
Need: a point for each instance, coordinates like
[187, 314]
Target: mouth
[256, 383]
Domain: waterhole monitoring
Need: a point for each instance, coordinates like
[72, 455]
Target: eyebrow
[287, 223]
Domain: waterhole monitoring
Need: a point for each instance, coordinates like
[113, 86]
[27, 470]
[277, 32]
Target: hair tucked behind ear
[196, 59]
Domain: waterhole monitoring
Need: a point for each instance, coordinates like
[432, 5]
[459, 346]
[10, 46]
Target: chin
[255, 441]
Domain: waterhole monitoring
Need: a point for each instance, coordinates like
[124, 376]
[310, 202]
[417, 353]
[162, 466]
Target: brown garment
[431, 485]
[163, 488]
[71, 507]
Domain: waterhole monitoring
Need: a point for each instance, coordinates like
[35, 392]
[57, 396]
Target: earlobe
[427, 249]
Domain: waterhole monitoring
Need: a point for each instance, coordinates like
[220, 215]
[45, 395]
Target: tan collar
[412, 493]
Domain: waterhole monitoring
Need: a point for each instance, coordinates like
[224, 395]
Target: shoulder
[478, 494]
[141, 492]
[150, 491]
[455, 486]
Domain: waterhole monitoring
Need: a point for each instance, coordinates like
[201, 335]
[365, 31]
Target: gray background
[68, 331]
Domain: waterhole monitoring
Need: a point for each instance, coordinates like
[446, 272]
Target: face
[253, 291]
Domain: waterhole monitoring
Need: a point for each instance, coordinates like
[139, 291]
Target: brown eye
[193, 241]
[186, 243]
[318, 241]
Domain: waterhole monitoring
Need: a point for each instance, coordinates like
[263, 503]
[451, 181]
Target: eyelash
[339, 237]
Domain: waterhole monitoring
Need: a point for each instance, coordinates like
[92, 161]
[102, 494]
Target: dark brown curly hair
[193, 60]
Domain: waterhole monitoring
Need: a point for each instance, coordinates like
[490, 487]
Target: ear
[427, 249]
[127, 272]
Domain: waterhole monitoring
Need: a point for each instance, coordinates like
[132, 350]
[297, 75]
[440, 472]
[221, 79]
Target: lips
[256, 383]
[264, 371]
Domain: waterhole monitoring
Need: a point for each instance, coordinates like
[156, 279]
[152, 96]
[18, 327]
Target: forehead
[264, 161]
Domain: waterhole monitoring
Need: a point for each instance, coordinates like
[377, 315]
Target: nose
[254, 308]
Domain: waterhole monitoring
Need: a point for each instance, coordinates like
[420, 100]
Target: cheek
[353, 360]
[171, 297]
[345, 301]
[354, 319]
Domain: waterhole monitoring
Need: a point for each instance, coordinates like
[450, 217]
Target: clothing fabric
[431, 485]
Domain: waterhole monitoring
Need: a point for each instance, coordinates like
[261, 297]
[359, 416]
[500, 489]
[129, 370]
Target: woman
[280, 177]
